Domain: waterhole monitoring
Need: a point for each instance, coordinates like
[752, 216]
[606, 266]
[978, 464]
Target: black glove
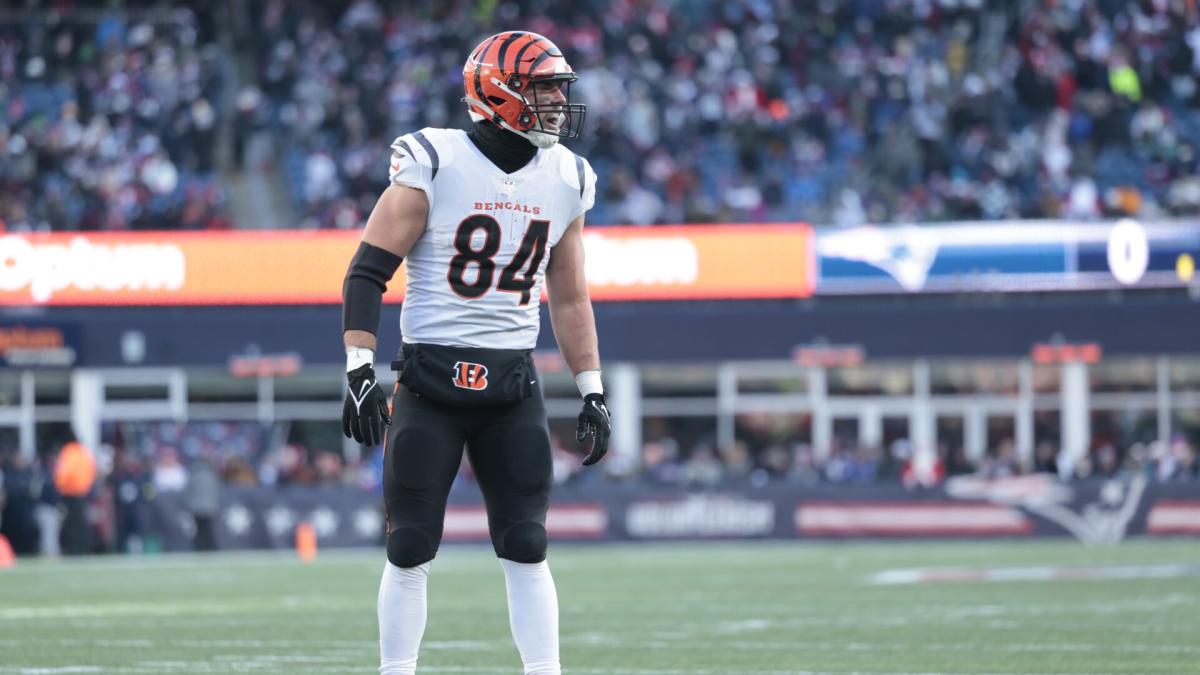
[365, 412]
[594, 421]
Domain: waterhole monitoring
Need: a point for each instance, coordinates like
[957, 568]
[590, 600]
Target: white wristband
[359, 356]
[589, 382]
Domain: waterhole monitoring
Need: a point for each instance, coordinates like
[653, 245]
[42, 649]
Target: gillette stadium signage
[1006, 257]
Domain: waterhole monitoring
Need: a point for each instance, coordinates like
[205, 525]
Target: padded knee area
[409, 547]
[524, 543]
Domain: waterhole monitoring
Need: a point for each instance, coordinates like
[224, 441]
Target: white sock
[402, 612]
[533, 615]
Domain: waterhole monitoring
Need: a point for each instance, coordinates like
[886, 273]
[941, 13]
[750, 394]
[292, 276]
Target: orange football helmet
[498, 79]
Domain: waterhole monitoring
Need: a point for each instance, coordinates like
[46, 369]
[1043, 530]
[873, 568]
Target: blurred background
[903, 252]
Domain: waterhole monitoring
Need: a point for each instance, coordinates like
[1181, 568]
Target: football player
[482, 218]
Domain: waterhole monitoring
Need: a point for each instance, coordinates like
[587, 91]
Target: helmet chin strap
[537, 138]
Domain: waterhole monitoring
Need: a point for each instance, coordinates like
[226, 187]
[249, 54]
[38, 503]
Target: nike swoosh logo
[362, 395]
[395, 167]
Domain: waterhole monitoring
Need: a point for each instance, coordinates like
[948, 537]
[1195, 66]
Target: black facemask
[507, 150]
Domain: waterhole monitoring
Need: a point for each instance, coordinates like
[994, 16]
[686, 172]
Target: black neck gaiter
[507, 150]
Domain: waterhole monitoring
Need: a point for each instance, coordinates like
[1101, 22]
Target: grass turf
[761, 608]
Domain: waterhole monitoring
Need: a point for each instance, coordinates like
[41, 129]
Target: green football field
[662, 609]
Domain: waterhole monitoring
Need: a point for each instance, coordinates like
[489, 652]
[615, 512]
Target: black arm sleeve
[371, 269]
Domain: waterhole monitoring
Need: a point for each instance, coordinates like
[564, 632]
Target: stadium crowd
[109, 124]
[767, 449]
[759, 110]
[844, 112]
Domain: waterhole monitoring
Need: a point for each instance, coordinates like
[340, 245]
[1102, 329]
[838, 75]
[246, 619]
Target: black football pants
[509, 450]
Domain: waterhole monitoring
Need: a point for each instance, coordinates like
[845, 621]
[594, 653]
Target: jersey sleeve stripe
[431, 151]
[582, 174]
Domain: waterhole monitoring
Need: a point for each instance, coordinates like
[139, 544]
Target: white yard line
[1031, 573]
[53, 671]
[468, 645]
[223, 666]
[567, 670]
[687, 643]
[742, 626]
[242, 605]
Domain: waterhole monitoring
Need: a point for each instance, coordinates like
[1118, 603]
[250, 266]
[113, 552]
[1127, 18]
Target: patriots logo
[905, 253]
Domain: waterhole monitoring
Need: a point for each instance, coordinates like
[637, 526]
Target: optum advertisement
[294, 267]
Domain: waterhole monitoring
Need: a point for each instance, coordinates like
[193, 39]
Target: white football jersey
[475, 275]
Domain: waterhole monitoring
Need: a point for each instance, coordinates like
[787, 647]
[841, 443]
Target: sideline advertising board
[1094, 512]
[307, 267]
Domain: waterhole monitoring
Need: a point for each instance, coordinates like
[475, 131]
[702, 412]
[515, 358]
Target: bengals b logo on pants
[469, 375]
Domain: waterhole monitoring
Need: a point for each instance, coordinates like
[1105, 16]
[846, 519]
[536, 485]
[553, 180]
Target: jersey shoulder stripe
[434, 158]
[401, 144]
[577, 175]
[417, 157]
[429, 147]
[582, 178]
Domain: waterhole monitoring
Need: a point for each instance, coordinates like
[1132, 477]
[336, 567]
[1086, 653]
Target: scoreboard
[1051, 256]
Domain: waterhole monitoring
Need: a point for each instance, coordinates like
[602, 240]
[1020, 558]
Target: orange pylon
[306, 542]
[7, 557]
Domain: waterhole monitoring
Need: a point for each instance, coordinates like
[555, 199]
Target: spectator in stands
[202, 499]
[565, 463]
[130, 486]
[170, 475]
[1176, 461]
[74, 476]
[805, 469]
[703, 468]
[1045, 458]
[18, 484]
[48, 511]
[659, 464]
[238, 471]
[1108, 462]
[737, 462]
